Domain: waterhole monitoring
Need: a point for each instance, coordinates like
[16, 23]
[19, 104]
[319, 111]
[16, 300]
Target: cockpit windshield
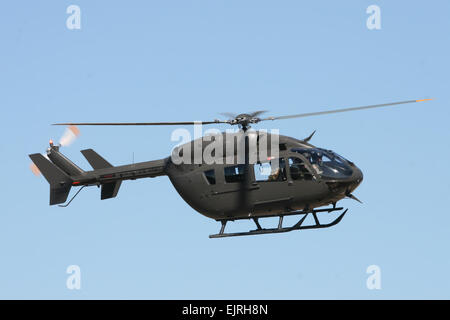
[326, 163]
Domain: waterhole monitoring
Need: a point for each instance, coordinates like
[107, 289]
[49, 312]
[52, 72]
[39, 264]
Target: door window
[234, 173]
[210, 176]
[274, 170]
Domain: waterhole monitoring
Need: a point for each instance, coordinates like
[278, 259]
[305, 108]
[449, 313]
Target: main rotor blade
[229, 115]
[301, 115]
[138, 123]
[257, 113]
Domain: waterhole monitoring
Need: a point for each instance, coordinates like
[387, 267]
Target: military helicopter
[282, 176]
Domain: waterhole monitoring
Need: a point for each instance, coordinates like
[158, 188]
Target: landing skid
[280, 228]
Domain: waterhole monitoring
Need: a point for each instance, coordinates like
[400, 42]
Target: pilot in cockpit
[316, 161]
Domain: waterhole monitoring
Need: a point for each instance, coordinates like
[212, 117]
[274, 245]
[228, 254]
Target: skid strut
[280, 228]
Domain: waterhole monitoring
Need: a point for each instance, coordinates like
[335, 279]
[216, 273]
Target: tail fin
[60, 182]
[109, 190]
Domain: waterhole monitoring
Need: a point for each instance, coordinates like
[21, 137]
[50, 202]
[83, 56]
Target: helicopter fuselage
[225, 191]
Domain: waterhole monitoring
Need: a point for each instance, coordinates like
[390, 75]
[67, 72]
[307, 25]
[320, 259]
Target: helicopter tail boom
[110, 189]
[62, 174]
[110, 178]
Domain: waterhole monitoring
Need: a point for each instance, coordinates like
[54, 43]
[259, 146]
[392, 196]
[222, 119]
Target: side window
[274, 170]
[234, 173]
[299, 170]
[210, 176]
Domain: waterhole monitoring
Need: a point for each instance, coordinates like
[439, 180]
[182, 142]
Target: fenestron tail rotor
[242, 120]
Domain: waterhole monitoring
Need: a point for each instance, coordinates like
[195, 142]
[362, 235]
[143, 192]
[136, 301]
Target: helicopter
[255, 174]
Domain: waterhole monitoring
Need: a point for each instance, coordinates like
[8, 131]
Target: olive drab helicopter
[290, 177]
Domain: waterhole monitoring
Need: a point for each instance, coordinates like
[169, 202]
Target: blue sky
[191, 60]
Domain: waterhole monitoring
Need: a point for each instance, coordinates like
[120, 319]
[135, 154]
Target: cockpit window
[298, 169]
[326, 163]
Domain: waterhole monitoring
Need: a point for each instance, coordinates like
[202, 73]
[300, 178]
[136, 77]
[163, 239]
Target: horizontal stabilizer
[60, 182]
[95, 160]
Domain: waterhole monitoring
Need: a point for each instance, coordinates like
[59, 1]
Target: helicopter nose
[357, 178]
[348, 185]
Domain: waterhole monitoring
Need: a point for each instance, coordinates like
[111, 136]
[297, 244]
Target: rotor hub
[244, 120]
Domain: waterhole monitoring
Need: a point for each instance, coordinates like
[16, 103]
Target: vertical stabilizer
[60, 182]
